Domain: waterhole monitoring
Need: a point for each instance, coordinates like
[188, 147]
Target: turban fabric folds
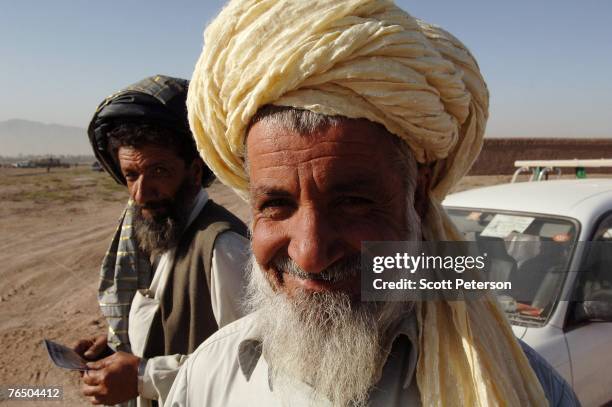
[156, 100]
[369, 59]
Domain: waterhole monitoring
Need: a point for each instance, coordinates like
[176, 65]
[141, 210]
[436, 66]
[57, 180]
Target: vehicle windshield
[531, 251]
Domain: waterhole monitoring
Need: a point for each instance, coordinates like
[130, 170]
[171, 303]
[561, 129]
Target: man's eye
[274, 203]
[160, 172]
[130, 176]
[277, 207]
[354, 205]
[354, 201]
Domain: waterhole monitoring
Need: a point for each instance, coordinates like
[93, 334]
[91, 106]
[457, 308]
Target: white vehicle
[568, 319]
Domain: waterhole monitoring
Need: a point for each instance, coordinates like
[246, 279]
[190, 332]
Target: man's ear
[424, 173]
[196, 170]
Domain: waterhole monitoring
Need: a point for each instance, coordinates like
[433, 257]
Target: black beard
[159, 234]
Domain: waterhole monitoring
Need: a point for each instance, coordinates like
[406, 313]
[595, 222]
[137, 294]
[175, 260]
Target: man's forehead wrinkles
[270, 167]
[355, 183]
[273, 184]
[148, 158]
[331, 182]
[289, 161]
[268, 190]
[315, 152]
[341, 145]
[145, 162]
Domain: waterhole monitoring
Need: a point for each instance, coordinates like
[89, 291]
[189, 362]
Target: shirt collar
[406, 327]
[250, 349]
[198, 203]
[249, 352]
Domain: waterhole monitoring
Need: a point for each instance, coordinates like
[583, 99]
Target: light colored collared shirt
[228, 369]
[227, 281]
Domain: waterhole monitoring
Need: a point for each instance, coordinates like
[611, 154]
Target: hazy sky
[548, 63]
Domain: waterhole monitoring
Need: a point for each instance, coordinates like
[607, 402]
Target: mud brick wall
[499, 154]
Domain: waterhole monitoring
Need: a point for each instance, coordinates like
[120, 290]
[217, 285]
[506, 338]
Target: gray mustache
[341, 270]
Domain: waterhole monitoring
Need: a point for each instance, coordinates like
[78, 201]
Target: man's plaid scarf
[125, 269]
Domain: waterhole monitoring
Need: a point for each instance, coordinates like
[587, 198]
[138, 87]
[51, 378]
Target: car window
[531, 251]
[604, 230]
[594, 288]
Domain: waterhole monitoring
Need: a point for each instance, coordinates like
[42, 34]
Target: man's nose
[314, 245]
[143, 191]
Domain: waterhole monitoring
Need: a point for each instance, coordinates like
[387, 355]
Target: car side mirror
[597, 307]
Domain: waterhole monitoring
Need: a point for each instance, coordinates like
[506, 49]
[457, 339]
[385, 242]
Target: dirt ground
[54, 230]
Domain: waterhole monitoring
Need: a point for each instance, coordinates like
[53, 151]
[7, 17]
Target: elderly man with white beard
[343, 122]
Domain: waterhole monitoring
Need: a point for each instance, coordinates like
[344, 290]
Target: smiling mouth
[336, 273]
[323, 276]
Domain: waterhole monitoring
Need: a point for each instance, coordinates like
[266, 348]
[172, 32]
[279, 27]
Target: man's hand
[112, 380]
[91, 348]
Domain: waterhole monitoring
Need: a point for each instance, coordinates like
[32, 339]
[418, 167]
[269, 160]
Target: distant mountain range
[35, 138]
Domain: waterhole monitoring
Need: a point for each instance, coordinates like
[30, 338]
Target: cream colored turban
[369, 59]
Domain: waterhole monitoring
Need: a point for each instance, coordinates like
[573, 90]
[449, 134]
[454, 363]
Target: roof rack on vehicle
[541, 169]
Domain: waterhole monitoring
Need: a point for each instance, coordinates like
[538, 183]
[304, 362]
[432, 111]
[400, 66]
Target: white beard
[326, 340]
